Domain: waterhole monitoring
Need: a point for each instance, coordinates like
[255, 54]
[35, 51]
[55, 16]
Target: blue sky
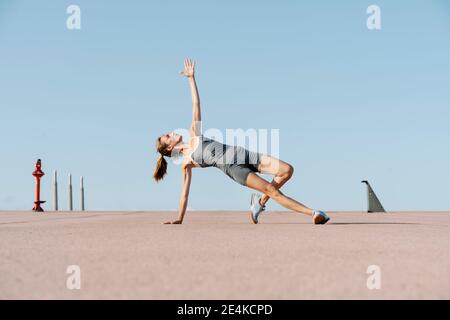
[350, 103]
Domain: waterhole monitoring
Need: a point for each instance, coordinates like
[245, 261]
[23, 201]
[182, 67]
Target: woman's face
[171, 139]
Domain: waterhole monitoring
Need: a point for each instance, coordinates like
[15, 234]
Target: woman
[201, 152]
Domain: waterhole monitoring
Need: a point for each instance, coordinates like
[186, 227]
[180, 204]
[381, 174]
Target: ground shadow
[345, 223]
[351, 223]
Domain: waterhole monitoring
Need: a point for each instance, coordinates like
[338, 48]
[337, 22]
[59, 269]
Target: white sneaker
[320, 217]
[255, 207]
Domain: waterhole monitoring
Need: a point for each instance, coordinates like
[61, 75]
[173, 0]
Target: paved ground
[220, 255]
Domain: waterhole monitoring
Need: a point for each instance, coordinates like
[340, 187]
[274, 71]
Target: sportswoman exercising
[239, 164]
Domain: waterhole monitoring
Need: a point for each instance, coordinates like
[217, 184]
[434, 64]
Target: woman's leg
[256, 182]
[281, 170]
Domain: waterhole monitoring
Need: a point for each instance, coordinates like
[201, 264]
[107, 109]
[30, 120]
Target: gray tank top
[209, 152]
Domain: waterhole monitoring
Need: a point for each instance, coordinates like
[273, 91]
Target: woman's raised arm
[189, 72]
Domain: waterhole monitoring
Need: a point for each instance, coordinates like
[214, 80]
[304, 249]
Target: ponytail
[161, 169]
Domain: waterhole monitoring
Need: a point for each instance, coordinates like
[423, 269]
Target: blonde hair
[161, 164]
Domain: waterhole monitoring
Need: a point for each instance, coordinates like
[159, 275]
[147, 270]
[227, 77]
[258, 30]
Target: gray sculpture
[374, 205]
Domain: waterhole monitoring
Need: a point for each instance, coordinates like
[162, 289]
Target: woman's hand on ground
[189, 68]
[174, 222]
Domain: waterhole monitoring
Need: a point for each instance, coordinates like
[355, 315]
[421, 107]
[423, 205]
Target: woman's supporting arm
[186, 174]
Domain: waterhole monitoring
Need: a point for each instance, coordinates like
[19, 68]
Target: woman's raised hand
[189, 68]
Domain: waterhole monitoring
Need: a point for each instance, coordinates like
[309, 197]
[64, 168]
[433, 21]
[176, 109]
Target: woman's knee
[290, 170]
[286, 171]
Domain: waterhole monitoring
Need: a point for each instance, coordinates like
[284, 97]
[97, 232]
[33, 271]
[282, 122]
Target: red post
[38, 174]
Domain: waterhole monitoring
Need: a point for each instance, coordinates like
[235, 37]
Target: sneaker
[255, 207]
[320, 217]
